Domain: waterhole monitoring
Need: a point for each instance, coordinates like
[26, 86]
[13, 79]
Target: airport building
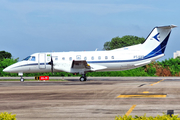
[176, 54]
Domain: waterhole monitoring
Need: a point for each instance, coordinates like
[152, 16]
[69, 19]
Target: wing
[76, 66]
[82, 64]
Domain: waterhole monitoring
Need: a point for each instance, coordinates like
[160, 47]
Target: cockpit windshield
[30, 58]
[33, 58]
[27, 58]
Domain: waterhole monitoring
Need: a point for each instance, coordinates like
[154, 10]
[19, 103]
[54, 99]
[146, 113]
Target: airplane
[89, 61]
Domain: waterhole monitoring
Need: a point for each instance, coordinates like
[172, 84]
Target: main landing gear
[83, 78]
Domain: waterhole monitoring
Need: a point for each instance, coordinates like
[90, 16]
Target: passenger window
[112, 57]
[78, 57]
[63, 58]
[106, 57]
[92, 58]
[85, 58]
[33, 58]
[99, 57]
[56, 58]
[70, 58]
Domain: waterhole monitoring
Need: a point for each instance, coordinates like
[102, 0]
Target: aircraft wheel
[82, 79]
[22, 80]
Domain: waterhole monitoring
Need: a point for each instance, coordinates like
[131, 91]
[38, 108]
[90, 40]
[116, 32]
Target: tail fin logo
[157, 37]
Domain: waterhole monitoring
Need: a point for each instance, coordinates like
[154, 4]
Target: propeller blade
[52, 67]
[51, 63]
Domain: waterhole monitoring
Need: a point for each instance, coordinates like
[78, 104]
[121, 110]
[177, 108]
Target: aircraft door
[42, 61]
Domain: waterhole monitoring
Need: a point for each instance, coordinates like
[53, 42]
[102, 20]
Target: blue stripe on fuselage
[31, 64]
[112, 61]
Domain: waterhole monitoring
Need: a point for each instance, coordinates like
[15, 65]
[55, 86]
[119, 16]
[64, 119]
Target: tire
[82, 79]
[22, 80]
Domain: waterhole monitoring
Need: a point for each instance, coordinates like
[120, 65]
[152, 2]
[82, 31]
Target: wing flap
[77, 65]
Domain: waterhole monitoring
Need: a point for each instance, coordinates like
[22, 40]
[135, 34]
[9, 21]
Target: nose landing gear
[21, 79]
[21, 74]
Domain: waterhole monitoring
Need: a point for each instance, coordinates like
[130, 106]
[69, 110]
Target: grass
[52, 80]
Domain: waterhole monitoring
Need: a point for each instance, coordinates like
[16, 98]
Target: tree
[5, 63]
[125, 41]
[4, 54]
[6, 60]
[107, 46]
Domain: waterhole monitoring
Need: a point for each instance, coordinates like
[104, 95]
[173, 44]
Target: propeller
[51, 63]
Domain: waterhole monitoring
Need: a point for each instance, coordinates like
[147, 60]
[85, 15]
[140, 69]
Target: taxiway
[95, 99]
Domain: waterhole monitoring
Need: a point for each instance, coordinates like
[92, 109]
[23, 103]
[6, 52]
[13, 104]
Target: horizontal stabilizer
[167, 27]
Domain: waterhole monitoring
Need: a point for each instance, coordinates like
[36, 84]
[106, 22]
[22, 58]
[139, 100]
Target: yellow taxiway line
[157, 82]
[130, 110]
[145, 94]
[141, 96]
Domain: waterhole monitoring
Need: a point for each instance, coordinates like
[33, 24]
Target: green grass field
[54, 80]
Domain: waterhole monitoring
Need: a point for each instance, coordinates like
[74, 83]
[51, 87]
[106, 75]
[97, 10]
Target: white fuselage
[110, 61]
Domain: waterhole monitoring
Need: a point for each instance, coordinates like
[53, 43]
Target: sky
[31, 26]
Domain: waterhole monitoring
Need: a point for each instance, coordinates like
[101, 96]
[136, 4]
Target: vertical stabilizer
[155, 43]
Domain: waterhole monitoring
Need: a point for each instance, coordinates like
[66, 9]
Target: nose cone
[11, 68]
[7, 69]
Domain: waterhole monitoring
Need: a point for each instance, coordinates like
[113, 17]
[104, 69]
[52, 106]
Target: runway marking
[157, 82]
[141, 96]
[145, 92]
[130, 110]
